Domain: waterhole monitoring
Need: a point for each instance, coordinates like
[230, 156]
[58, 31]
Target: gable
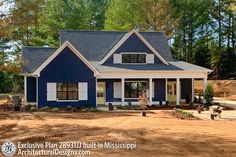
[65, 65]
[66, 45]
[132, 42]
[132, 45]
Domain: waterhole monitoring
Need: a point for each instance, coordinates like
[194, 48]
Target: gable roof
[58, 51]
[33, 57]
[125, 37]
[95, 45]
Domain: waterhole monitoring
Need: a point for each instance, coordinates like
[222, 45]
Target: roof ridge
[39, 47]
[107, 31]
[78, 30]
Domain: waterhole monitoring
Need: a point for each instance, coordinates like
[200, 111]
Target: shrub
[208, 95]
[69, 108]
[33, 108]
[45, 108]
[183, 113]
[55, 109]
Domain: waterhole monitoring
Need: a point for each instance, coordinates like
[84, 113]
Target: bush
[45, 108]
[208, 95]
[33, 108]
[183, 113]
[55, 109]
[69, 108]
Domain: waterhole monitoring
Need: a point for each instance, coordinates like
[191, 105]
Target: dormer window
[134, 58]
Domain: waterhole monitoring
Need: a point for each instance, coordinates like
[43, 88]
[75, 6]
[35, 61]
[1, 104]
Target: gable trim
[124, 38]
[58, 51]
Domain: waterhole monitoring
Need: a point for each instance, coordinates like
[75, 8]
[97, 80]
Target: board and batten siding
[31, 89]
[132, 45]
[68, 68]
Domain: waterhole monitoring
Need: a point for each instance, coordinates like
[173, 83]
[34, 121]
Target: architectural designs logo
[8, 148]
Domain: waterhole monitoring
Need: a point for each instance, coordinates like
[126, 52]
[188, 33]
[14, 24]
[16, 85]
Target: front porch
[164, 91]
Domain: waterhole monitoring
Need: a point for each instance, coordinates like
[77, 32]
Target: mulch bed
[180, 116]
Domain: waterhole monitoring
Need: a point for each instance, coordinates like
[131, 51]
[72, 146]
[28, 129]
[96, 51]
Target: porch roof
[173, 66]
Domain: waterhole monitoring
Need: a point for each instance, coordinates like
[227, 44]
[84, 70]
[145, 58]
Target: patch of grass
[129, 107]
[69, 108]
[45, 108]
[179, 113]
[55, 109]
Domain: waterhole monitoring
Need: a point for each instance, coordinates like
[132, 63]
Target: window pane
[61, 87]
[134, 89]
[72, 95]
[133, 58]
[72, 87]
[61, 95]
[125, 58]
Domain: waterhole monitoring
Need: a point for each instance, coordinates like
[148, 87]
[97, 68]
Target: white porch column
[150, 91]
[192, 89]
[177, 91]
[204, 85]
[25, 90]
[122, 91]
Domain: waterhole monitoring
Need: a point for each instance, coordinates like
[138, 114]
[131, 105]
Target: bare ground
[159, 134]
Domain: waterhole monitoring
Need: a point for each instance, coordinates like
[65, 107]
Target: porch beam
[150, 91]
[122, 91]
[177, 91]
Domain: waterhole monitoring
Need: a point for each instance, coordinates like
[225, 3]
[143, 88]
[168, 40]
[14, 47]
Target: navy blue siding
[67, 68]
[132, 45]
[31, 89]
[186, 89]
[160, 90]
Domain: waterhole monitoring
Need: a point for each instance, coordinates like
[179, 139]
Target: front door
[171, 91]
[101, 88]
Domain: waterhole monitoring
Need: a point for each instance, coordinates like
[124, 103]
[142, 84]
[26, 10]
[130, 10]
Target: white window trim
[65, 100]
[135, 54]
[124, 38]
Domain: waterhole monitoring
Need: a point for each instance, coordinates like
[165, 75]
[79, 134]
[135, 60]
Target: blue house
[93, 68]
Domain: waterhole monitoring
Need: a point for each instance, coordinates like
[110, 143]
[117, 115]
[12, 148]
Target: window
[134, 89]
[133, 58]
[67, 91]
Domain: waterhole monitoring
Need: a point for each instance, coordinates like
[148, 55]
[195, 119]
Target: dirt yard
[159, 134]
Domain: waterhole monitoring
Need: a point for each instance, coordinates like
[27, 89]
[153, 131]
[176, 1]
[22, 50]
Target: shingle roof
[33, 57]
[175, 65]
[94, 45]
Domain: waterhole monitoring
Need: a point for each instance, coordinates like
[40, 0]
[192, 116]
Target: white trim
[124, 38]
[150, 91]
[153, 74]
[62, 47]
[67, 100]
[177, 91]
[25, 86]
[122, 91]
